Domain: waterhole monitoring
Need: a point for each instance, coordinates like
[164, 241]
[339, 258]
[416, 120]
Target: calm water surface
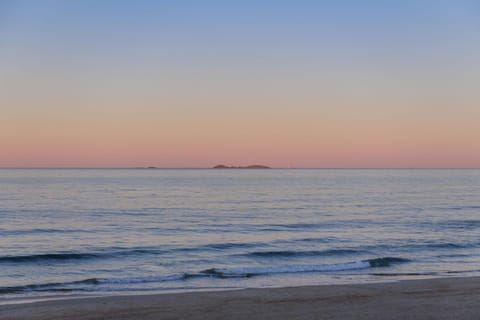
[106, 231]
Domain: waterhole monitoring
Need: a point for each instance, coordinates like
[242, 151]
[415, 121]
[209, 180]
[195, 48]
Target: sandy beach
[452, 298]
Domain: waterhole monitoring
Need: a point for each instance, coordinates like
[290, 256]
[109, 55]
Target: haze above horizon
[304, 84]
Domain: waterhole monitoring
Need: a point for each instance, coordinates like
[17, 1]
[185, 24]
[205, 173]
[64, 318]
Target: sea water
[125, 231]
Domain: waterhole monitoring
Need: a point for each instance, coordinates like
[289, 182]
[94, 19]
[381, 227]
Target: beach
[445, 298]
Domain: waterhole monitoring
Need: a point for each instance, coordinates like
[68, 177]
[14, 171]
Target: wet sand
[452, 298]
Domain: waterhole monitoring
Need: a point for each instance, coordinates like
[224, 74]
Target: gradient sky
[197, 83]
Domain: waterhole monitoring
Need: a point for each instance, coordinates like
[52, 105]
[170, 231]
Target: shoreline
[439, 298]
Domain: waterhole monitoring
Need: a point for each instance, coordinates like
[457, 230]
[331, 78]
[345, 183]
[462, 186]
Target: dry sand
[452, 298]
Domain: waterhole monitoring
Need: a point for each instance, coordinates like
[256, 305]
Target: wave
[447, 245]
[461, 224]
[416, 246]
[319, 240]
[232, 245]
[249, 272]
[83, 285]
[252, 271]
[236, 250]
[134, 280]
[366, 249]
[290, 226]
[386, 261]
[48, 257]
[118, 252]
[273, 254]
[458, 208]
[220, 273]
[51, 286]
[222, 246]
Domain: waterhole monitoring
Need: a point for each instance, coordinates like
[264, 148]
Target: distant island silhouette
[253, 166]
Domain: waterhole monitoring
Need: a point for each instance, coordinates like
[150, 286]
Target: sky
[177, 83]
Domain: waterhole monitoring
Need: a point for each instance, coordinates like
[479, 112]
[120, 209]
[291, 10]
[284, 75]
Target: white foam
[245, 271]
[297, 268]
[134, 280]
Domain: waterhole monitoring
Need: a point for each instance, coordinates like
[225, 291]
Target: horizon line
[282, 168]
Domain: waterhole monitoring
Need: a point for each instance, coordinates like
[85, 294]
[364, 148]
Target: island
[253, 166]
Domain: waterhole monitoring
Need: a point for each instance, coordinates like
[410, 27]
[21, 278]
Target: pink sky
[274, 140]
[304, 84]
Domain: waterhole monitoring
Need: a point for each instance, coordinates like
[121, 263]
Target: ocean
[71, 232]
